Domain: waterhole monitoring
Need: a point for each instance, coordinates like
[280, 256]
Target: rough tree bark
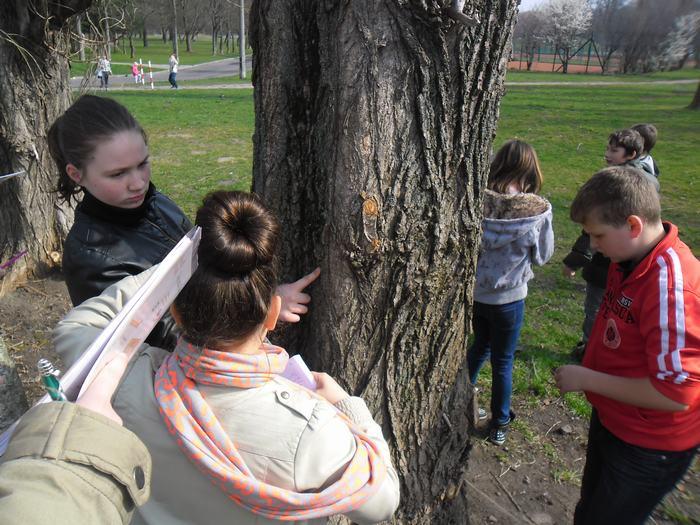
[374, 123]
[34, 90]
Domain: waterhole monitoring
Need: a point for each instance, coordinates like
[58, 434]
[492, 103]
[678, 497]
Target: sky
[526, 5]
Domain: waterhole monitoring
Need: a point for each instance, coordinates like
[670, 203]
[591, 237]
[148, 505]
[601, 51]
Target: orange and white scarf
[203, 440]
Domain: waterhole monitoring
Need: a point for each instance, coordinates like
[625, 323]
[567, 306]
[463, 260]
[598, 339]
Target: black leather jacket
[107, 244]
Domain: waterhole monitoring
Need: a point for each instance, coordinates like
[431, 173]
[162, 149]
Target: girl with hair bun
[231, 440]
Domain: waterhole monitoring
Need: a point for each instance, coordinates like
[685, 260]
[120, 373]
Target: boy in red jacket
[641, 370]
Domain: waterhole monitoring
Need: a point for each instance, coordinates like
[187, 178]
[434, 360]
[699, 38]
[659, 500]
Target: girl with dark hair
[517, 231]
[272, 449]
[123, 225]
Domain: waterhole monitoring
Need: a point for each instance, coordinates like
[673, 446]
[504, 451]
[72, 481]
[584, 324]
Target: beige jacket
[66, 465]
[285, 436]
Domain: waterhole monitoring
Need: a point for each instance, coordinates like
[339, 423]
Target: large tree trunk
[34, 90]
[374, 123]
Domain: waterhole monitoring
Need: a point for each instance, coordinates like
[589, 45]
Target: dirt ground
[533, 479]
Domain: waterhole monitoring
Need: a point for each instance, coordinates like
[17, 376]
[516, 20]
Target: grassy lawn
[158, 53]
[202, 140]
[533, 76]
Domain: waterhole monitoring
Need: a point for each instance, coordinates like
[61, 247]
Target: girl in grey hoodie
[517, 231]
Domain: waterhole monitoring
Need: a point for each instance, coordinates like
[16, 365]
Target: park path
[217, 68]
[230, 67]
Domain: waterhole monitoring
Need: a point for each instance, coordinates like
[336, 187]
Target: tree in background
[374, 123]
[680, 43]
[650, 23]
[609, 21]
[528, 35]
[567, 25]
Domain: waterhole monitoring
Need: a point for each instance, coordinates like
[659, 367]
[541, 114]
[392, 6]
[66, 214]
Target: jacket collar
[633, 272]
[125, 217]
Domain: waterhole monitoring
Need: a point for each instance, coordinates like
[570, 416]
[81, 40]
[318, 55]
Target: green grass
[544, 76]
[158, 53]
[200, 141]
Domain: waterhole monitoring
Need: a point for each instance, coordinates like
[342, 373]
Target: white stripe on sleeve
[679, 314]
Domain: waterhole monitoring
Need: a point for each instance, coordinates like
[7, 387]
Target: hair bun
[239, 234]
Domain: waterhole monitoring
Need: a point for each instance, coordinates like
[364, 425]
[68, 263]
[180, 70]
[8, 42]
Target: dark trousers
[171, 79]
[622, 483]
[496, 332]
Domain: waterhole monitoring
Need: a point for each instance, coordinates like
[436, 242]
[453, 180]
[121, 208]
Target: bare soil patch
[533, 479]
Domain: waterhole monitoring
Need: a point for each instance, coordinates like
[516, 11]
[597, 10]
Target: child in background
[517, 231]
[641, 370]
[135, 72]
[648, 133]
[123, 225]
[624, 147]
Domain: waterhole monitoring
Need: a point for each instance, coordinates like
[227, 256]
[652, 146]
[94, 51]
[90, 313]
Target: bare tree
[567, 27]
[529, 34]
[34, 90]
[190, 20]
[608, 23]
[216, 19]
[374, 122]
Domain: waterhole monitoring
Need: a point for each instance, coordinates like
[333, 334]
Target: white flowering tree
[567, 26]
[678, 45]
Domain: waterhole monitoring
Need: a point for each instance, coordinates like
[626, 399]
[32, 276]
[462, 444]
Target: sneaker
[498, 433]
[482, 414]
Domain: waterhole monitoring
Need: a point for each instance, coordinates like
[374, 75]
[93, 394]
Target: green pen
[49, 378]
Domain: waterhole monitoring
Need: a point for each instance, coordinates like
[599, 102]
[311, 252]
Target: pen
[49, 378]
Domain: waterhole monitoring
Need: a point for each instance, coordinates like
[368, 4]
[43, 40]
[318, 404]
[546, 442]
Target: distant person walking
[105, 67]
[173, 63]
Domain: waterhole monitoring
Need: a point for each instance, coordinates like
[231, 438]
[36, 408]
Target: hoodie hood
[516, 233]
[507, 218]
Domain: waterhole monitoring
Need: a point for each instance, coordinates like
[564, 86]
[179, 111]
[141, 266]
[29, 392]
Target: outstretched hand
[294, 300]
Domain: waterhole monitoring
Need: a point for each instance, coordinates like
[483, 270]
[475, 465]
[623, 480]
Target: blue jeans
[172, 80]
[622, 483]
[496, 331]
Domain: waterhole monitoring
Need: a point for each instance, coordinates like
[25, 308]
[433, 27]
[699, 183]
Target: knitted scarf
[201, 437]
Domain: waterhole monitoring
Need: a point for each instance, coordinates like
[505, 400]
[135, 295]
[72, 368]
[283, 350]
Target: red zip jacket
[648, 325]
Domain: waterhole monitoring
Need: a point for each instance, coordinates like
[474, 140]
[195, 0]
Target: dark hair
[229, 294]
[615, 193]
[648, 133]
[74, 135]
[517, 162]
[629, 139]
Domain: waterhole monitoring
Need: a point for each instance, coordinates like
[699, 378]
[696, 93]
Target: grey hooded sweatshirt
[517, 231]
